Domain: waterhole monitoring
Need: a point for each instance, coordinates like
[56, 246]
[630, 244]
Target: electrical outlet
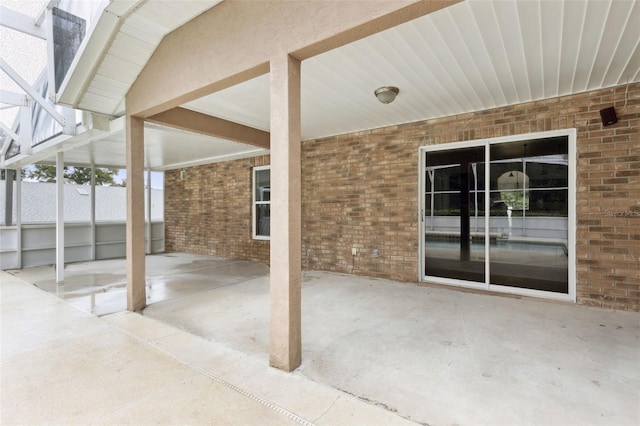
[354, 251]
[376, 252]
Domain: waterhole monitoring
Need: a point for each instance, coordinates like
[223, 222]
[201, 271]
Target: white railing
[37, 245]
[532, 226]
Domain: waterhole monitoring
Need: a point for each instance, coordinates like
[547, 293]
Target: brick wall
[360, 190]
[608, 235]
[210, 211]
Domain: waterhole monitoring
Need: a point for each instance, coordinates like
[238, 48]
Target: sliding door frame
[571, 135]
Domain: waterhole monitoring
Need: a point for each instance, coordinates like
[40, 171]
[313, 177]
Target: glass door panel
[528, 224]
[454, 214]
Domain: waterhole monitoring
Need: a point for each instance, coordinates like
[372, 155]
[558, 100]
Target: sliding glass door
[497, 214]
[529, 214]
[454, 214]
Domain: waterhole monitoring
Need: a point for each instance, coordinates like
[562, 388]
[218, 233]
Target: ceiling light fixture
[386, 94]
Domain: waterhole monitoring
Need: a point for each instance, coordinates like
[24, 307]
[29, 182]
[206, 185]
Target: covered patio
[213, 82]
[215, 92]
[429, 354]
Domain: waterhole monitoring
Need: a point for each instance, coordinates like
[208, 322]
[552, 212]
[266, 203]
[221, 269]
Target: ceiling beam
[9, 133]
[192, 121]
[19, 22]
[4, 66]
[13, 98]
[43, 12]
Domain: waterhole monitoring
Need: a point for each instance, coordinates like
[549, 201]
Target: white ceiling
[471, 56]
[165, 148]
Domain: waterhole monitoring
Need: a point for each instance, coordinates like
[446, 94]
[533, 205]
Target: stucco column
[136, 292]
[286, 273]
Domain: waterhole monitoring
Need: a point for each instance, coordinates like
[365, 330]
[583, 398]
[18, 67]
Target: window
[261, 202]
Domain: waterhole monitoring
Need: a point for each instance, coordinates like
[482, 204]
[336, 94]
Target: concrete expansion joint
[221, 381]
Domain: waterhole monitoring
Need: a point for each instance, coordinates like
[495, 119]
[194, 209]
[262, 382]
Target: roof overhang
[104, 145]
[64, 143]
[117, 48]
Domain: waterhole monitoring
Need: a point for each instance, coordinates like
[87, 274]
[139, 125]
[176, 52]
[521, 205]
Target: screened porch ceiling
[471, 56]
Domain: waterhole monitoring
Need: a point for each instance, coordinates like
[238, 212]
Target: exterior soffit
[302, 29]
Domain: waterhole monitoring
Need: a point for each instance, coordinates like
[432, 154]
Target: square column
[136, 291]
[8, 196]
[286, 272]
[93, 212]
[147, 212]
[19, 216]
[60, 217]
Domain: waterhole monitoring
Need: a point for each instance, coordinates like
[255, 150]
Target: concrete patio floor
[428, 354]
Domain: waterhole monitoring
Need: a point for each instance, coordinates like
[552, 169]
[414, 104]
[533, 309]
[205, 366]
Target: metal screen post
[8, 197]
[59, 217]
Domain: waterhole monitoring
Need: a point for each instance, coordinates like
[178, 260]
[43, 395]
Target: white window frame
[571, 134]
[255, 202]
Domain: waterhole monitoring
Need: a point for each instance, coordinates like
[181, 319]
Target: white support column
[93, 212]
[26, 130]
[59, 217]
[286, 272]
[8, 197]
[69, 115]
[19, 217]
[148, 213]
[136, 291]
